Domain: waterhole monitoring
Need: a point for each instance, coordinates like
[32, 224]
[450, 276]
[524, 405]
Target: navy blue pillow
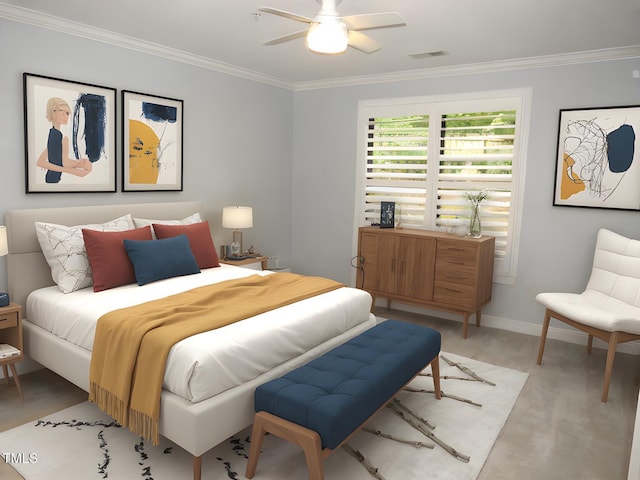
[159, 259]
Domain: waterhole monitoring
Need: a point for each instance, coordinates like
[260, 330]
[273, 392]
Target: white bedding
[204, 365]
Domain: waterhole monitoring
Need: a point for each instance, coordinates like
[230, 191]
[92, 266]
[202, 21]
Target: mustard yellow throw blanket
[131, 345]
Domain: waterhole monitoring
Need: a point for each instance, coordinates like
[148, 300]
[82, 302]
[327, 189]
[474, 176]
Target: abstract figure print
[89, 114]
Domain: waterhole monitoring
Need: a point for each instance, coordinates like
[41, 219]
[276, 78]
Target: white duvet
[204, 365]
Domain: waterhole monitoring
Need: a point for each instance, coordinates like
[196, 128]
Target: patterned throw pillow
[64, 249]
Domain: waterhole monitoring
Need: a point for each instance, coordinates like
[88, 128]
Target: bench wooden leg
[435, 372]
[309, 440]
[257, 437]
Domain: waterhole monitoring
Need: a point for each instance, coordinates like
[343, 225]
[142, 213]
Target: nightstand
[11, 333]
[247, 261]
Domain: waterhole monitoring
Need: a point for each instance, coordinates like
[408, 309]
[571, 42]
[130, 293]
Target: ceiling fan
[330, 33]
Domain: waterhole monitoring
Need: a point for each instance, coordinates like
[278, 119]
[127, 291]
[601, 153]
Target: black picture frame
[387, 214]
[69, 135]
[597, 165]
[152, 143]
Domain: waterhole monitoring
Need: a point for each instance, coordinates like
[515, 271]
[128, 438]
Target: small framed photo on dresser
[387, 214]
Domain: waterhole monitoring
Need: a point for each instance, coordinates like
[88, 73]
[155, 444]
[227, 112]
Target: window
[427, 154]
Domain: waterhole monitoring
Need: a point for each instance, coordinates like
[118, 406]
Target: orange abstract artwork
[571, 181]
[144, 146]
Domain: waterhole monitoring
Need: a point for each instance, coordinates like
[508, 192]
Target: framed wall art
[597, 164]
[70, 140]
[152, 129]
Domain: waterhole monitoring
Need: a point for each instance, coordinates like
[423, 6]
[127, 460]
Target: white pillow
[64, 249]
[143, 222]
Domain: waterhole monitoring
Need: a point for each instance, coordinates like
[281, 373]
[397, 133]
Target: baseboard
[569, 335]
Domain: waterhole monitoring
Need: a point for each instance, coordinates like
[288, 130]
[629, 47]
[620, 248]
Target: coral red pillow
[110, 264]
[200, 241]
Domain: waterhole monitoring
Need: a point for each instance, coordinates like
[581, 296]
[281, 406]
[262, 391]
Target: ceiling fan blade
[369, 21]
[289, 15]
[361, 42]
[286, 38]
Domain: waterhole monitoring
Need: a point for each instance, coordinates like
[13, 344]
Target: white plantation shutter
[397, 168]
[476, 154]
[427, 156]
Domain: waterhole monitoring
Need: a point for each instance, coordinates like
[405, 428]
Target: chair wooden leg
[611, 354]
[543, 336]
[589, 344]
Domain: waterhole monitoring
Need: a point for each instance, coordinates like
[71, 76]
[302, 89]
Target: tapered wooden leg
[478, 316]
[543, 335]
[197, 467]
[589, 344]
[297, 434]
[465, 325]
[6, 374]
[16, 380]
[611, 355]
[435, 373]
[257, 438]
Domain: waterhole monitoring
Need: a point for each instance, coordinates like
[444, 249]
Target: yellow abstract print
[571, 181]
[144, 147]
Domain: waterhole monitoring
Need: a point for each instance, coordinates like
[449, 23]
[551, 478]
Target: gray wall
[291, 155]
[556, 243]
[237, 133]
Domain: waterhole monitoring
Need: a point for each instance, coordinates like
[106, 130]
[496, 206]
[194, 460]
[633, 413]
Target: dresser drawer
[456, 253]
[8, 321]
[456, 295]
[457, 274]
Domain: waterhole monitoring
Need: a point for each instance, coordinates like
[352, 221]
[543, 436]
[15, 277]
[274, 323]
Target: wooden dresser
[435, 270]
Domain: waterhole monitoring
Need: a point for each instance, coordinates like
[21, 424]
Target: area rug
[82, 443]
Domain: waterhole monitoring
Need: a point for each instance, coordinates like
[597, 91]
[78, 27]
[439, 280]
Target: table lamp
[237, 217]
[4, 249]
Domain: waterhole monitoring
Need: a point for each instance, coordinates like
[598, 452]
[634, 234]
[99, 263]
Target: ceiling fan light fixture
[329, 36]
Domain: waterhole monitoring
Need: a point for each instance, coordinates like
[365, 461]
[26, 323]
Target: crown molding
[23, 15]
[478, 68]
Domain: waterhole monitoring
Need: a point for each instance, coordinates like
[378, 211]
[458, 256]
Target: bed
[195, 420]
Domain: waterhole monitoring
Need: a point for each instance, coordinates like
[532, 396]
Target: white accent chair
[609, 308]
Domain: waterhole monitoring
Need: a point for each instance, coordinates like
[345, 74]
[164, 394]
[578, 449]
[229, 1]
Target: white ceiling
[230, 33]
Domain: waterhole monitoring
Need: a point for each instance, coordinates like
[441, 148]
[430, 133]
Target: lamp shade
[237, 217]
[4, 247]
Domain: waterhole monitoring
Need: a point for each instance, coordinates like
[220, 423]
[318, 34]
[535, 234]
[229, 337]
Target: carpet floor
[82, 443]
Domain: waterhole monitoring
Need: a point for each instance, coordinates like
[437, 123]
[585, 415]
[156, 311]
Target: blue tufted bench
[318, 406]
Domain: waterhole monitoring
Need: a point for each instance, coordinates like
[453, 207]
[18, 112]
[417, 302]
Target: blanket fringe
[109, 403]
[145, 426]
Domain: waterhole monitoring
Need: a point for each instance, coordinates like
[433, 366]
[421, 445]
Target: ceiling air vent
[437, 53]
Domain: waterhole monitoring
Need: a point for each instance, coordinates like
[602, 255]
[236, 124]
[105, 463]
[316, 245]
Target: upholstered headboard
[26, 266]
